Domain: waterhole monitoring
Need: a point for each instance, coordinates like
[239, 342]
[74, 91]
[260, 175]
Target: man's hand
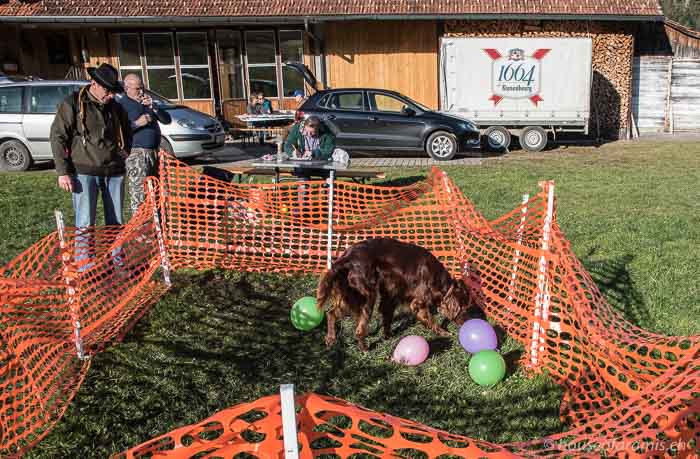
[147, 101]
[65, 182]
[307, 155]
[142, 120]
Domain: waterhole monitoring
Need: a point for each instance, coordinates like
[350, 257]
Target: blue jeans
[85, 191]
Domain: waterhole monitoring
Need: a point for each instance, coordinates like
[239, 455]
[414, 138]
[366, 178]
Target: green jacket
[89, 141]
[295, 138]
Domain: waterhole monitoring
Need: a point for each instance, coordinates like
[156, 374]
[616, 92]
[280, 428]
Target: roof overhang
[107, 21]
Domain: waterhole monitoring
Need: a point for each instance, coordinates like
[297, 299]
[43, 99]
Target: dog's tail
[326, 284]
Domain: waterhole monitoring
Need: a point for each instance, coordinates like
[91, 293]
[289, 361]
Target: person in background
[265, 105]
[144, 118]
[90, 141]
[252, 108]
[299, 98]
[310, 139]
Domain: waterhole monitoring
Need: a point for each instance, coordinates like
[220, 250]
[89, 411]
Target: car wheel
[14, 156]
[497, 138]
[533, 138]
[165, 145]
[441, 146]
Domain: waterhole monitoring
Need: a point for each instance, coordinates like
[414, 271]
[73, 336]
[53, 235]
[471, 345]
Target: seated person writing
[310, 139]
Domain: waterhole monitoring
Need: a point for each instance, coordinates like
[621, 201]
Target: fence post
[542, 297]
[289, 421]
[164, 263]
[331, 190]
[69, 277]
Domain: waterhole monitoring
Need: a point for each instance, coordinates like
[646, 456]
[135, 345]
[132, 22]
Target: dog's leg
[423, 315]
[387, 305]
[361, 330]
[332, 317]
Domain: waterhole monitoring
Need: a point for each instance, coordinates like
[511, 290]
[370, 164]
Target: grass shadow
[613, 278]
[401, 181]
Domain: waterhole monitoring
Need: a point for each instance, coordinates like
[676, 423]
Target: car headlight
[189, 124]
[468, 126]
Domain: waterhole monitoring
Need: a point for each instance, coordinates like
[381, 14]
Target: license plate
[219, 138]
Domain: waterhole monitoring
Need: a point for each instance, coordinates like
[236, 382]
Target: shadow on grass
[614, 280]
[401, 181]
[224, 338]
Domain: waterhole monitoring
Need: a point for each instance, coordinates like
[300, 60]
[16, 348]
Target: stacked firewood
[613, 47]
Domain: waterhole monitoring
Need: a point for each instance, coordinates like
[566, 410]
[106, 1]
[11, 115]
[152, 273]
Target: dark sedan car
[376, 119]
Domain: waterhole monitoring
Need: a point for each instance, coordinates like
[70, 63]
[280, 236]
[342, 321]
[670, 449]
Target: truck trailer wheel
[533, 138]
[497, 138]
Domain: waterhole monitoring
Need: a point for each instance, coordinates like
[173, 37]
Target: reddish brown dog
[396, 272]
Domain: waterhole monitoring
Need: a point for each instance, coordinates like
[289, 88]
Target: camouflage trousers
[141, 163]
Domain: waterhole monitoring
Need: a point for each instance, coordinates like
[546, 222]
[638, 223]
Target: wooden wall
[203, 105]
[400, 56]
[613, 49]
[99, 48]
[9, 46]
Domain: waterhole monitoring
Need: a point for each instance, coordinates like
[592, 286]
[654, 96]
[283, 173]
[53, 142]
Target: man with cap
[90, 140]
[299, 97]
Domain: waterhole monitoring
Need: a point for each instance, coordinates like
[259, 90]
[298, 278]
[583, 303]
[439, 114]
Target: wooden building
[211, 54]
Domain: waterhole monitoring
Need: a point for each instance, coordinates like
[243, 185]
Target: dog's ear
[456, 303]
[449, 306]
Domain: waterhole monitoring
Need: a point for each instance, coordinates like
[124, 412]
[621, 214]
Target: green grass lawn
[222, 338]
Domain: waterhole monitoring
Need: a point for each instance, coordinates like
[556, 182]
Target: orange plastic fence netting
[624, 386]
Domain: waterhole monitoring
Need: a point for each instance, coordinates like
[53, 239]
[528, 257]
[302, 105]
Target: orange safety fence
[624, 386]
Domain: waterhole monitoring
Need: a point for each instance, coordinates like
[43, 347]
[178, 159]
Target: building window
[58, 49]
[194, 65]
[230, 52]
[129, 53]
[291, 50]
[262, 62]
[160, 64]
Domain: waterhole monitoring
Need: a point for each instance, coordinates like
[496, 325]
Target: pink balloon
[412, 350]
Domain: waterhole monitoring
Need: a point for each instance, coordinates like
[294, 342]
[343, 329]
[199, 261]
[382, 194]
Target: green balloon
[487, 368]
[305, 315]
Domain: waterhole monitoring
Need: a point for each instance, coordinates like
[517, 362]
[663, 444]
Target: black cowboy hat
[106, 76]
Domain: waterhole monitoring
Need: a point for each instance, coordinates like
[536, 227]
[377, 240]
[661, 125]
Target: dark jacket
[147, 136]
[89, 140]
[296, 139]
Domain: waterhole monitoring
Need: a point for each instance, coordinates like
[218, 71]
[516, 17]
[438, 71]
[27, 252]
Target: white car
[27, 110]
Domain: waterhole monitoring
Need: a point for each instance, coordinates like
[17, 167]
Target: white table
[330, 166]
[266, 118]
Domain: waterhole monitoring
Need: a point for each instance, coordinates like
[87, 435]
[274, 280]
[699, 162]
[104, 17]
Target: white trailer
[533, 88]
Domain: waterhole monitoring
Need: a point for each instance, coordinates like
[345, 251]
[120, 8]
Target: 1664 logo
[515, 75]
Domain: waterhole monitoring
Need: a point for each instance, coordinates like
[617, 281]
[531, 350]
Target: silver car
[27, 110]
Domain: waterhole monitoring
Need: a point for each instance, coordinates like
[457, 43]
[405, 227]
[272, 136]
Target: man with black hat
[90, 140]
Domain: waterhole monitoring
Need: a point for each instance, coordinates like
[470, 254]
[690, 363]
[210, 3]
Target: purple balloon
[412, 350]
[477, 335]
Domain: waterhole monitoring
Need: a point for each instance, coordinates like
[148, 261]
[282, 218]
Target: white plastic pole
[69, 280]
[164, 263]
[331, 190]
[516, 259]
[542, 297]
[289, 421]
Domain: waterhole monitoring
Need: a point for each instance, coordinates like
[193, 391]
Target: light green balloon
[487, 368]
[305, 315]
